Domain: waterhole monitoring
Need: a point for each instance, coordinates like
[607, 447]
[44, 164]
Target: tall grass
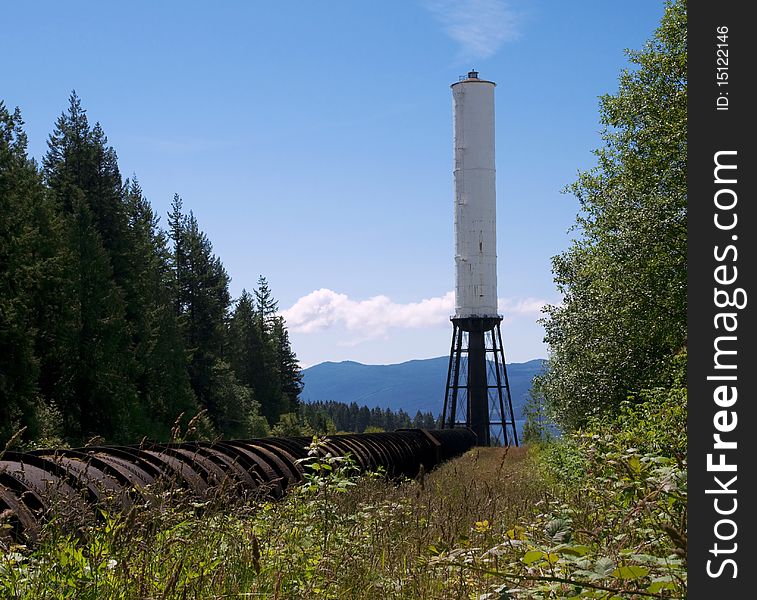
[586, 519]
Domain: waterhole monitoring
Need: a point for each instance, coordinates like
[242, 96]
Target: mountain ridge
[413, 385]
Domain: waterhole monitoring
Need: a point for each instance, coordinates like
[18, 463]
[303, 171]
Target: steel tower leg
[453, 379]
[500, 396]
[478, 415]
[478, 392]
[507, 390]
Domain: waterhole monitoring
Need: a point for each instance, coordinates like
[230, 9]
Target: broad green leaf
[532, 556]
[630, 572]
[604, 566]
[657, 586]
[578, 550]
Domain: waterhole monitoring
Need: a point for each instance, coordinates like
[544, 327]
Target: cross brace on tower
[478, 390]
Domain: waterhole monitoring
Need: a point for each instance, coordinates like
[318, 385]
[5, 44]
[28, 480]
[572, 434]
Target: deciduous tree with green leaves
[623, 315]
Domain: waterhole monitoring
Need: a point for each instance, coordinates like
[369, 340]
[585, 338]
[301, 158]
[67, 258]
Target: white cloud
[325, 309]
[480, 27]
[521, 306]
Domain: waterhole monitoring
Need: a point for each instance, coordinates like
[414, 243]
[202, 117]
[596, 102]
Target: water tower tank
[478, 391]
[475, 198]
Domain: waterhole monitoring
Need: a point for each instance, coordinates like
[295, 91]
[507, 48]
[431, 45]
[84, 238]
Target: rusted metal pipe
[32, 483]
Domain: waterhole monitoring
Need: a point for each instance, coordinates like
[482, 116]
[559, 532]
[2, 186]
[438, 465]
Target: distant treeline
[111, 326]
[330, 417]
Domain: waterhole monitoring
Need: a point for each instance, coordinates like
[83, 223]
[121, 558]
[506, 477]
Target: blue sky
[313, 141]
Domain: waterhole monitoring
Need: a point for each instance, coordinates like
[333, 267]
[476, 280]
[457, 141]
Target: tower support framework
[478, 390]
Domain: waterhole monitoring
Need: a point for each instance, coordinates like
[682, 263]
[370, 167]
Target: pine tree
[288, 367]
[245, 351]
[278, 379]
[160, 375]
[246, 344]
[268, 385]
[80, 160]
[103, 391]
[105, 330]
[202, 307]
[83, 177]
[266, 306]
[429, 422]
[30, 244]
[178, 257]
[363, 419]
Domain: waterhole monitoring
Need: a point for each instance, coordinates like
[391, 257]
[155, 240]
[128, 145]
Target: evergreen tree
[178, 258]
[265, 305]
[333, 416]
[379, 418]
[429, 421]
[402, 420]
[279, 387]
[246, 351]
[202, 301]
[160, 375]
[236, 412]
[253, 357]
[288, 367]
[79, 161]
[202, 306]
[83, 177]
[30, 251]
[363, 419]
[105, 330]
[353, 424]
[103, 390]
[246, 344]
[268, 386]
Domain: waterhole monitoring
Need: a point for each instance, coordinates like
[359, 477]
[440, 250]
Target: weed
[592, 517]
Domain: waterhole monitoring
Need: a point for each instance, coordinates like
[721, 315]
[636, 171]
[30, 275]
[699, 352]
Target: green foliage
[563, 460]
[25, 272]
[494, 523]
[287, 366]
[624, 281]
[261, 354]
[291, 425]
[331, 416]
[538, 426]
[617, 522]
[111, 327]
[614, 526]
[202, 305]
[654, 422]
[160, 373]
[236, 412]
[247, 350]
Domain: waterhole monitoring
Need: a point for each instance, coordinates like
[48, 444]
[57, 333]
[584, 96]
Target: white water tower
[477, 392]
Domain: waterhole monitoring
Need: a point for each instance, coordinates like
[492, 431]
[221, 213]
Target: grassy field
[553, 522]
